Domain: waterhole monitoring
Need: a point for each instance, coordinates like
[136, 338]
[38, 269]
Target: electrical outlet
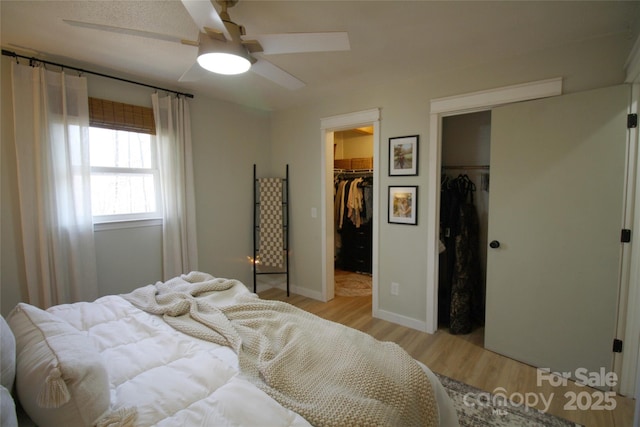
[395, 288]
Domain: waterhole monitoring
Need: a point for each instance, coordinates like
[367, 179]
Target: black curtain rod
[80, 70]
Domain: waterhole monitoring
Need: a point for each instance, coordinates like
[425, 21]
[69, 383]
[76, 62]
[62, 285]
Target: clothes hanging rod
[467, 167]
[80, 70]
[353, 170]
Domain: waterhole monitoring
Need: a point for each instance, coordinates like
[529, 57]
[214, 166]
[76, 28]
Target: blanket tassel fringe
[123, 417]
[54, 393]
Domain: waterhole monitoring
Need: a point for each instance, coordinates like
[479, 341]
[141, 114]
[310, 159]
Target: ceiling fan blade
[261, 67]
[121, 30]
[205, 15]
[304, 42]
[276, 75]
[194, 73]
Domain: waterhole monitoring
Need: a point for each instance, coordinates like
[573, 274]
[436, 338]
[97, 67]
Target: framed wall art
[403, 205]
[403, 155]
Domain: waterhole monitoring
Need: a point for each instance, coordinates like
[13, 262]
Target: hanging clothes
[460, 297]
[353, 214]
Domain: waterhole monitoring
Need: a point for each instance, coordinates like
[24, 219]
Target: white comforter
[176, 380]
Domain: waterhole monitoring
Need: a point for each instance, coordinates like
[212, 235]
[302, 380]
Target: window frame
[154, 170]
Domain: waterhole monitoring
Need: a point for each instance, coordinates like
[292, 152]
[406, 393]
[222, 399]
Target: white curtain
[51, 125]
[173, 136]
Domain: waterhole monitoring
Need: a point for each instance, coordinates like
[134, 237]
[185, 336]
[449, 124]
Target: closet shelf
[338, 170]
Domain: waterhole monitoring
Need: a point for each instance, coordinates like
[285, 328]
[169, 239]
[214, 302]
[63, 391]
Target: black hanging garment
[449, 216]
[460, 297]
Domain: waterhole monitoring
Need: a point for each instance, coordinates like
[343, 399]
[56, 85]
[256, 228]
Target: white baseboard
[401, 320]
[379, 314]
[307, 293]
[292, 289]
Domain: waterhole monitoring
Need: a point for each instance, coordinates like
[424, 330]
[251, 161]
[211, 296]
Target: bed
[204, 351]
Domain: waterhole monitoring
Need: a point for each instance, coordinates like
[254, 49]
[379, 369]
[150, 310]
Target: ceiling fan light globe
[224, 63]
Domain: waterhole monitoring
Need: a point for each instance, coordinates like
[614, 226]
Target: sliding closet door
[556, 198]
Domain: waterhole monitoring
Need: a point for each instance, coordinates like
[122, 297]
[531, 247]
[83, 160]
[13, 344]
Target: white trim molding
[133, 223]
[401, 320]
[344, 121]
[484, 100]
[629, 384]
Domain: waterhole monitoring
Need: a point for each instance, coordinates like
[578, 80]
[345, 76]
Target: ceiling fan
[221, 38]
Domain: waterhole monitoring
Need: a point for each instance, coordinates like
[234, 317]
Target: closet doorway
[328, 127]
[353, 211]
[464, 215]
[442, 108]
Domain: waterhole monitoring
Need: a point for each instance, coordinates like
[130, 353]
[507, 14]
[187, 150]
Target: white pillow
[61, 379]
[7, 355]
[7, 409]
[8, 416]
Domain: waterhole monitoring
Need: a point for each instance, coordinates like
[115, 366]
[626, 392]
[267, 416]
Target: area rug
[351, 284]
[477, 408]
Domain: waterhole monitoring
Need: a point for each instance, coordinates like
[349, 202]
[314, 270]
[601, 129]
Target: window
[124, 172]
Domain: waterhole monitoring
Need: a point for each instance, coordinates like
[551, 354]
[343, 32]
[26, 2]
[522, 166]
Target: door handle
[494, 244]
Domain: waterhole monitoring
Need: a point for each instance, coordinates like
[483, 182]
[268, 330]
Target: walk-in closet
[464, 213]
[353, 211]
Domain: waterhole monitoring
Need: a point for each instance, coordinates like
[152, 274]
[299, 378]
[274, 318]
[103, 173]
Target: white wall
[405, 111]
[466, 139]
[225, 148]
[230, 139]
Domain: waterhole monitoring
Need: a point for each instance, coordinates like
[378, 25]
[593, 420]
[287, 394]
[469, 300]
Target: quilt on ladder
[271, 232]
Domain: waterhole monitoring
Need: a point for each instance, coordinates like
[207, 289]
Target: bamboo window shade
[119, 116]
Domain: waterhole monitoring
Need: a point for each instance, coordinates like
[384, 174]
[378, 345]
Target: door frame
[631, 359]
[629, 319]
[328, 126]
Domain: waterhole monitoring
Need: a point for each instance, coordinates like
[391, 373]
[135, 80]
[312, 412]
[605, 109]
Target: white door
[556, 199]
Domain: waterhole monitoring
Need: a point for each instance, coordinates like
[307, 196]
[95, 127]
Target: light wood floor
[461, 357]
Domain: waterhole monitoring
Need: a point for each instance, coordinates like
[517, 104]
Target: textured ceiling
[389, 39]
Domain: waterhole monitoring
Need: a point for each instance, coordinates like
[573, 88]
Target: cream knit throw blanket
[328, 373]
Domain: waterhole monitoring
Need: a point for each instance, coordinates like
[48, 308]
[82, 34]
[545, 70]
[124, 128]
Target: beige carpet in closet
[351, 284]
